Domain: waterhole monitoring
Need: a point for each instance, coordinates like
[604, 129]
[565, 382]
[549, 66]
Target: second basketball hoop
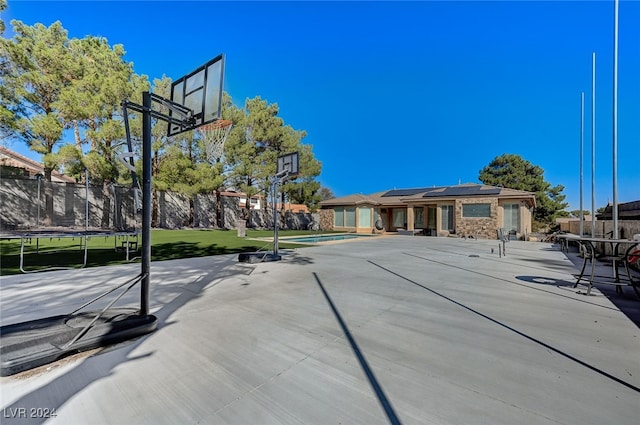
[288, 165]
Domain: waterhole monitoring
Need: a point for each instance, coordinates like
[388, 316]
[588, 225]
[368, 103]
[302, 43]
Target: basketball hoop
[214, 135]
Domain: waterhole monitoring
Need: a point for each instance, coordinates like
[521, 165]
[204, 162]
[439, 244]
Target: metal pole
[86, 199]
[581, 162]
[275, 216]
[39, 177]
[593, 144]
[615, 120]
[146, 204]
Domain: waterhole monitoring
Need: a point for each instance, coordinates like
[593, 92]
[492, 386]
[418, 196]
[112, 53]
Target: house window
[476, 210]
[399, 217]
[350, 217]
[511, 217]
[431, 218]
[338, 217]
[364, 217]
[418, 218]
[447, 217]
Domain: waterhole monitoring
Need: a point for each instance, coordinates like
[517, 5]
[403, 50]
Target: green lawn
[165, 245]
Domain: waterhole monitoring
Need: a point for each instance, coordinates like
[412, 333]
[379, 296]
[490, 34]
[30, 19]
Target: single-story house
[31, 168]
[626, 211]
[256, 202]
[466, 210]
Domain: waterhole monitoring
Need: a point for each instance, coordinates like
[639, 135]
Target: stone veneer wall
[326, 219]
[483, 227]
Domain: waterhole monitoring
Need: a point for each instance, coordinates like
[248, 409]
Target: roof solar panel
[471, 190]
[465, 191]
[405, 192]
[492, 191]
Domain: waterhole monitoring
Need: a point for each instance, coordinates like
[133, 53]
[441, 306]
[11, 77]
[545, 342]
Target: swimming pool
[324, 238]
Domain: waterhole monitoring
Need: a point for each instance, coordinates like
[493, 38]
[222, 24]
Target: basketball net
[214, 135]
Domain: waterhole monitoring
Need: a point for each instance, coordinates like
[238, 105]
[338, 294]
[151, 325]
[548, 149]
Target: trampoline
[126, 241]
[30, 344]
[36, 342]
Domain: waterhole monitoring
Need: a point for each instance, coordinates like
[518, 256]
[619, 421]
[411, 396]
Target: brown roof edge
[35, 166]
[356, 199]
[22, 158]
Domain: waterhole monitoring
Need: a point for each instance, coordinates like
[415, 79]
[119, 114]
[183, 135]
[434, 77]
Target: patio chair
[632, 259]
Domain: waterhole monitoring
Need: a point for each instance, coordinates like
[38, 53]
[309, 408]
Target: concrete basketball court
[396, 329]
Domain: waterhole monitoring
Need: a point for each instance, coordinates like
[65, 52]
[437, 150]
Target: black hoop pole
[146, 204]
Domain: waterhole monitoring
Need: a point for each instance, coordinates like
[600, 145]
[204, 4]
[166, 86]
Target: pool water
[323, 238]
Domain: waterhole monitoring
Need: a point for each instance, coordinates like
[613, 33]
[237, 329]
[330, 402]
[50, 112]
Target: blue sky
[403, 94]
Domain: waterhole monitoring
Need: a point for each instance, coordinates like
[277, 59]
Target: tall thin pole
[146, 204]
[86, 200]
[275, 215]
[581, 162]
[615, 120]
[593, 144]
[39, 177]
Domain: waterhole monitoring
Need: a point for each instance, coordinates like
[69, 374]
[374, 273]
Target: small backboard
[289, 165]
[201, 92]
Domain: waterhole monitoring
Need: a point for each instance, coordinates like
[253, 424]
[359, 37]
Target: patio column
[410, 217]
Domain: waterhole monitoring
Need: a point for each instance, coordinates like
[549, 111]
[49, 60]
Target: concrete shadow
[294, 257]
[626, 300]
[542, 280]
[512, 329]
[102, 363]
[375, 385]
[511, 282]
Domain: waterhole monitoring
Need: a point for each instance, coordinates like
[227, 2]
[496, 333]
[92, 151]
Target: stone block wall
[230, 211]
[114, 207]
[205, 212]
[18, 200]
[306, 221]
[604, 228]
[173, 210]
[22, 204]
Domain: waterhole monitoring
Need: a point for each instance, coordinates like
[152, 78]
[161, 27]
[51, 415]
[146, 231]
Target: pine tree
[258, 138]
[513, 172]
